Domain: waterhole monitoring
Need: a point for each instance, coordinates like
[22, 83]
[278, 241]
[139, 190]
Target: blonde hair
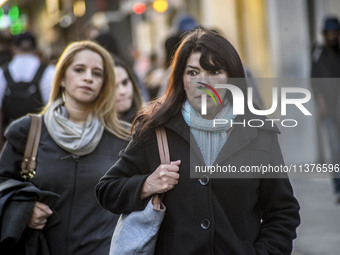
[105, 106]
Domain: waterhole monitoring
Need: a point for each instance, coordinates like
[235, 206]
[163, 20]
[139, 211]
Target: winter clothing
[210, 216]
[16, 204]
[85, 227]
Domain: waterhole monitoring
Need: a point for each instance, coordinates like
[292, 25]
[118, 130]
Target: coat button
[205, 224]
[204, 180]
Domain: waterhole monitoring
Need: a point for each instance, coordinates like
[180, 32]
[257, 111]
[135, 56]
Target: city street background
[275, 39]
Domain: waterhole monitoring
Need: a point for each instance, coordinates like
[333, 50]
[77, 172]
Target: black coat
[210, 216]
[16, 204]
[85, 227]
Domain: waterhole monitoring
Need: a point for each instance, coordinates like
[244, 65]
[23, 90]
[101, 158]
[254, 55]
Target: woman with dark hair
[205, 215]
[128, 96]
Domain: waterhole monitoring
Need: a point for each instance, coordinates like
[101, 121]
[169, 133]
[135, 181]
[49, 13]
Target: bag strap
[163, 146]
[38, 75]
[8, 76]
[164, 155]
[29, 163]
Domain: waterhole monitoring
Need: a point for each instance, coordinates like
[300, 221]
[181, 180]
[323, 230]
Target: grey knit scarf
[210, 139]
[78, 140]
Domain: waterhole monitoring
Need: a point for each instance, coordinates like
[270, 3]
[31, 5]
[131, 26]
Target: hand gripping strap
[164, 155]
[29, 164]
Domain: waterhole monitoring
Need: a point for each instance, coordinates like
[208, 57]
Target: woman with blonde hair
[81, 138]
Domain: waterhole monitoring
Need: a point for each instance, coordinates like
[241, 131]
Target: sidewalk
[319, 232]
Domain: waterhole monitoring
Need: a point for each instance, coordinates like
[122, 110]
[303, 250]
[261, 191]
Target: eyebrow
[96, 68]
[193, 67]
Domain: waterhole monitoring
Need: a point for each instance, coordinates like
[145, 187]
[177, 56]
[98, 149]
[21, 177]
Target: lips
[119, 100]
[86, 88]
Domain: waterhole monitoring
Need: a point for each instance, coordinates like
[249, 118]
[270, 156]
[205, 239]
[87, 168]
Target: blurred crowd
[32, 83]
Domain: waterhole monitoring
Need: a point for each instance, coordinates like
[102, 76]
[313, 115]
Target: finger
[171, 168]
[44, 208]
[37, 223]
[177, 162]
[38, 226]
[172, 182]
[170, 187]
[173, 175]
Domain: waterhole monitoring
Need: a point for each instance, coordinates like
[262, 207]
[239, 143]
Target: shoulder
[2, 76]
[112, 139]
[17, 131]
[316, 53]
[49, 71]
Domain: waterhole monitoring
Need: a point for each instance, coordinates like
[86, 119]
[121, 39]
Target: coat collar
[239, 138]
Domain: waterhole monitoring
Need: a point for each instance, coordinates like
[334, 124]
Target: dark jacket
[326, 67]
[85, 227]
[210, 216]
[16, 204]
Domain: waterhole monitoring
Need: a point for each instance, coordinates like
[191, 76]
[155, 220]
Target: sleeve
[3, 85]
[119, 189]
[280, 211]
[13, 150]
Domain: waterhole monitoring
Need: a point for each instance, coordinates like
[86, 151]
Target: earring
[63, 94]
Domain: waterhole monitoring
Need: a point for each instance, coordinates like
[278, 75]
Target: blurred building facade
[274, 37]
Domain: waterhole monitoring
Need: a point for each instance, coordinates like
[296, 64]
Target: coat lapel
[239, 138]
[178, 125]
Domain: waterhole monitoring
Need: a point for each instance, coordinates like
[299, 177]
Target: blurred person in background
[81, 138]
[183, 24]
[5, 47]
[154, 77]
[326, 64]
[204, 216]
[25, 83]
[107, 41]
[129, 100]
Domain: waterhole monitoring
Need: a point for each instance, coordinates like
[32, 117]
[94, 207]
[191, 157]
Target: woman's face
[124, 93]
[195, 73]
[84, 78]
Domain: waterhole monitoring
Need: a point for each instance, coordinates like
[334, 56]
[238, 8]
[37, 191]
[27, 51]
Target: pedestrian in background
[204, 216]
[128, 96]
[81, 138]
[5, 47]
[326, 67]
[25, 83]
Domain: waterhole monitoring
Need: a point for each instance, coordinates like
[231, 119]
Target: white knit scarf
[210, 139]
[78, 140]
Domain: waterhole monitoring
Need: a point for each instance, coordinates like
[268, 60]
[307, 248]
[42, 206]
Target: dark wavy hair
[216, 53]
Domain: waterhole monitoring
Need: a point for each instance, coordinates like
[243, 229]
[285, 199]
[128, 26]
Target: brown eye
[78, 70]
[98, 74]
[125, 82]
[191, 72]
[216, 72]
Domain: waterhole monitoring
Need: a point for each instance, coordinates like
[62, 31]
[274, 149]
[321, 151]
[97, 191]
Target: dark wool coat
[17, 200]
[210, 216]
[85, 227]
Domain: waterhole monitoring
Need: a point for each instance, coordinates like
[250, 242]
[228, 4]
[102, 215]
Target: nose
[88, 76]
[202, 75]
[121, 90]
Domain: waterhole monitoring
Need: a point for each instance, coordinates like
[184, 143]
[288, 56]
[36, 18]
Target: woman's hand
[39, 217]
[164, 178]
